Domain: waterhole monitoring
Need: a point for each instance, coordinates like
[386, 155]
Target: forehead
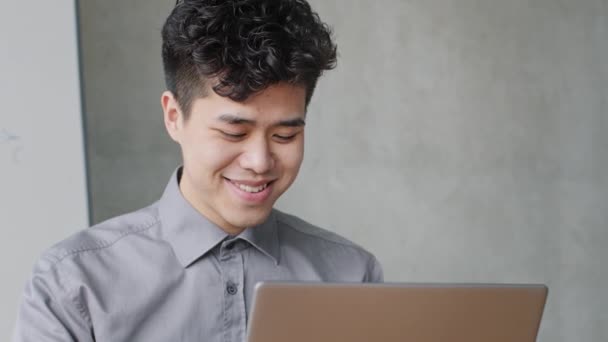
[279, 101]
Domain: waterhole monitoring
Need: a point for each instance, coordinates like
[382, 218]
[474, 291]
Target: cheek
[209, 156]
[291, 157]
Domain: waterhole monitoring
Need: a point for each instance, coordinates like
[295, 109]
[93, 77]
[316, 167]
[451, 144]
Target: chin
[250, 218]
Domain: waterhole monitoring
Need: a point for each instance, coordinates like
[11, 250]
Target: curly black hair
[244, 46]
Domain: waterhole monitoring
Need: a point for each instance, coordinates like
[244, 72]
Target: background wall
[42, 164]
[461, 141]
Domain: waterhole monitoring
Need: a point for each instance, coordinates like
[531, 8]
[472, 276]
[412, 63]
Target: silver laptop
[323, 312]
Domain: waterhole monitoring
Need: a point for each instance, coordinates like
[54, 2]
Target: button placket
[234, 300]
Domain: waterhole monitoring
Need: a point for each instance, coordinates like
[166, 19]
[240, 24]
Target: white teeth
[251, 189]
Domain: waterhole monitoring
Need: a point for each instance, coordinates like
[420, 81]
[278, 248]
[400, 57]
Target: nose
[257, 157]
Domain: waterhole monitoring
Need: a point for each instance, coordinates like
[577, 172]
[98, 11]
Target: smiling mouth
[252, 189]
[249, 188]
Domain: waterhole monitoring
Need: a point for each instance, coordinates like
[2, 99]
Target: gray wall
[463, 141]
[42, 162]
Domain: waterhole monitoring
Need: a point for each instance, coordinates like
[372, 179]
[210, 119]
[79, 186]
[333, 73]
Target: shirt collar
[192, 235]
[264, 237]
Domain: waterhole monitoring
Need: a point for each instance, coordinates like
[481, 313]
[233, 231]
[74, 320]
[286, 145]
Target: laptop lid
[324, 312]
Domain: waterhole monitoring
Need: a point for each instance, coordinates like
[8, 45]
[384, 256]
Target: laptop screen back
[301, 312]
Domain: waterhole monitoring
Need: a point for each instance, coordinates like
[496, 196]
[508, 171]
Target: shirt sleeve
[374, 274]
[48, 312]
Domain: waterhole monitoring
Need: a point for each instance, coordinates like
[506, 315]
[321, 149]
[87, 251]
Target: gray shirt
[166, 273]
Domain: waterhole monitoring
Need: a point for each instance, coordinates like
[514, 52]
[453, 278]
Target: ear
[173, 115]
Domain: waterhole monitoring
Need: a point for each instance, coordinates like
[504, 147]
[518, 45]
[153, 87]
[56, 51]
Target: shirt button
[231, 289]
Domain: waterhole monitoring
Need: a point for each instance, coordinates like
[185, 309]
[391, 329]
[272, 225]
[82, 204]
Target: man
[240, 74]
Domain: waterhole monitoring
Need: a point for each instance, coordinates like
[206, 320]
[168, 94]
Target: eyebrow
[237, 120]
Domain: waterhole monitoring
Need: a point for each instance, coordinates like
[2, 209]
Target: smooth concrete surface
[460, 141]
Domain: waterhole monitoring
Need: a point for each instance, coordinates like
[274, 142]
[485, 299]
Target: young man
[240, 74]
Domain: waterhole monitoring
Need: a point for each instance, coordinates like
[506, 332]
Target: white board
[42, 165]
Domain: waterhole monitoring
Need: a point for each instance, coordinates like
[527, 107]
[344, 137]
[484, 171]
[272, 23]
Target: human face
[239, 157]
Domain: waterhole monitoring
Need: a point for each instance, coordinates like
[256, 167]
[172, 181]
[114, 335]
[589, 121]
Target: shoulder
[322, 244]
[301, 227]
[100, 237]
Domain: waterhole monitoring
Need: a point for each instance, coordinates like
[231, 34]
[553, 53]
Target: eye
[233, 136]
[285, 138]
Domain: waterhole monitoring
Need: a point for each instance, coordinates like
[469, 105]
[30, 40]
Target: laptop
[334, 312]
